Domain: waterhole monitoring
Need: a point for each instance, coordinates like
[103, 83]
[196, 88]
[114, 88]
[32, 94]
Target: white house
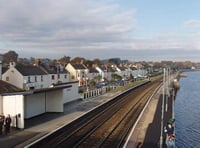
[78, 72]
[123, 72]
[93, 73]
[106, 72]
[33, 77]
[57, 73]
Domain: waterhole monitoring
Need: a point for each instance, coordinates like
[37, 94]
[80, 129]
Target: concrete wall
[34, 105]
[14, 105]
[71, 94]
[39, 103]
[54, 101]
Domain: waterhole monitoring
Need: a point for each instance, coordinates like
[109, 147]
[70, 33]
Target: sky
[137, 30]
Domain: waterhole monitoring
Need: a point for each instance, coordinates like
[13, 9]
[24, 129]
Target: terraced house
[34, 77]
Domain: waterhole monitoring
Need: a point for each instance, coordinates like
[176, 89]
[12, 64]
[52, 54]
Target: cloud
[87, 28]
[193, 23]
[63, 24]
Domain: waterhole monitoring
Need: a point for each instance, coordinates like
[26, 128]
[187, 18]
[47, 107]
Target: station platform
[41, 125]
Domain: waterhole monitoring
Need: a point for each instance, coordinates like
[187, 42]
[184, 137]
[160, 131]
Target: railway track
[105, 126]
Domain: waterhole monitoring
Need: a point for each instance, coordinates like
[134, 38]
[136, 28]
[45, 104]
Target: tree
[88, 63]
[97, 62]
[116, 77]
[64, 60]
[98, 78]
[78, 60]
[10, 56]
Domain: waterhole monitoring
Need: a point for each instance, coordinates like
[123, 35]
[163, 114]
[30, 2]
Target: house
[106, 72]
[34, 77]
[57, 73]
[78, 72]
[138, 72]
[93, 73]
[123, 72]
[25, 76]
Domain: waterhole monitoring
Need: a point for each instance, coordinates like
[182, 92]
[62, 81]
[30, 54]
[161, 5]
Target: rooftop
[8, 88]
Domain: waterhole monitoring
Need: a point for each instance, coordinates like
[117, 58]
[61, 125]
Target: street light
[162, 114]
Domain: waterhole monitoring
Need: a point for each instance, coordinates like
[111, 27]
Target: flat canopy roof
[30, 92]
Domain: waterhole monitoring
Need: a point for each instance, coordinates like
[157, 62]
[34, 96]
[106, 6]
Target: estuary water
[187, 111]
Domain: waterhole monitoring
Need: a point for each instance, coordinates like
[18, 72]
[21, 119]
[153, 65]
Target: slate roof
[133, 68]
[27, 70]
[52, 69]
[8, 88]
[93, 70]
[122, 68]
[79, 66]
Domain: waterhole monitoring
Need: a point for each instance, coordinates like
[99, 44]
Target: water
[187, 111]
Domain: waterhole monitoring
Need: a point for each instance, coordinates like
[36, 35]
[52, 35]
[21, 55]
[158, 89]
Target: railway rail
[105, 126]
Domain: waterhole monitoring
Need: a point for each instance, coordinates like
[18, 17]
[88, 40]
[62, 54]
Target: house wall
[14, 77]
[92, 75]
[77, 74]
[14, 105]
[56, 79]
[101, 73]
[42, 81]
[71, 94]
[72, 71]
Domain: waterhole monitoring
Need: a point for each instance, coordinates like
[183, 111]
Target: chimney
[12, 64]
[37, 62]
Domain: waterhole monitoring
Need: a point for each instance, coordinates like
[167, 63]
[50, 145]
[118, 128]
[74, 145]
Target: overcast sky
[128, 29]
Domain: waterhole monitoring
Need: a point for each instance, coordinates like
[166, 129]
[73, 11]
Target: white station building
[23, 105]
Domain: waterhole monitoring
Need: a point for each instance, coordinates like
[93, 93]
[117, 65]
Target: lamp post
[162, 110]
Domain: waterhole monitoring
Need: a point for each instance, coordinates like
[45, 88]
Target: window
[29, 79]
[58, 76]
[41, 78]
[52, 77]
[65, 76]
[35, 78]
[83, 74]
[7, 78]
